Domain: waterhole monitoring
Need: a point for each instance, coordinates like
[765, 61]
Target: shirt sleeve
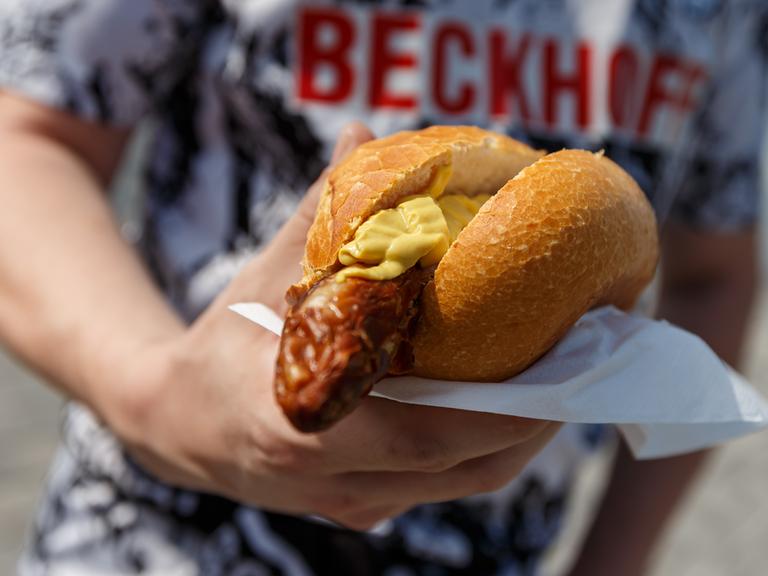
[720, 190]
[103, 60]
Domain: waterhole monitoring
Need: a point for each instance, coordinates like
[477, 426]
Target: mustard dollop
[419, 230]
[459, 209]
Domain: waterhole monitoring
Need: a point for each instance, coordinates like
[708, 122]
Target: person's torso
[277, 80]
[252, 123]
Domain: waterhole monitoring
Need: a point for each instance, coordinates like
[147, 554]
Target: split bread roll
[560, 234]
[570, 232]
[380, 173]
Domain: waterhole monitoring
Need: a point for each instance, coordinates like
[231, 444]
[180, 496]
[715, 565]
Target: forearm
[75, 303]
[717, 311]
[642, 495]
[640, 498]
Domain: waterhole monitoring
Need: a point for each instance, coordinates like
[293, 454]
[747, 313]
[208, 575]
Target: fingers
[351, 136]
[369, 497]
[382, 435]
[269, 275]
[484, 474]
[286, 250]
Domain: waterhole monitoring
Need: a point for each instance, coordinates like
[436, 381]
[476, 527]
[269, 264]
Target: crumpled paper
[664, 388]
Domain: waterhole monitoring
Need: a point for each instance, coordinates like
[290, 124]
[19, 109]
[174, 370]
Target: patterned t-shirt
[247, 97]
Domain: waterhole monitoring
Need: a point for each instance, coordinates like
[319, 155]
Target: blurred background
[722, 528]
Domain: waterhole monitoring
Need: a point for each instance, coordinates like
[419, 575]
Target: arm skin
[708, 286]
[62, 259]
[195, 404]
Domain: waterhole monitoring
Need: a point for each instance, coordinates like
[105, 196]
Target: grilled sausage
[338, 340]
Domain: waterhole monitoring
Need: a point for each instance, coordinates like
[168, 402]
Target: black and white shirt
[248, 97]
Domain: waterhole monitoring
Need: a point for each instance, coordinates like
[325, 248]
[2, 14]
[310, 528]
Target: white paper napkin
[664, 388]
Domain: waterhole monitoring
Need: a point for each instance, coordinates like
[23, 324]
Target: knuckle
[281, 456]
[422, 455]
[493, 476]
[340, 505]
[490, 483]
[523, 428]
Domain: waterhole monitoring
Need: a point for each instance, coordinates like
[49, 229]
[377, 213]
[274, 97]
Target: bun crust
[379, 173]
[570, 232]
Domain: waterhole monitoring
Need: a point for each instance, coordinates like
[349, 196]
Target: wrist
[125, 392]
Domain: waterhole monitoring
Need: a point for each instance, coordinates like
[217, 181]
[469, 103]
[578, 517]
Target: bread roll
[381, 172]
[570, 232]
[560, 234]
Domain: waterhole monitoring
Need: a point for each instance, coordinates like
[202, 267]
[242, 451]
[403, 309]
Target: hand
[204, 416]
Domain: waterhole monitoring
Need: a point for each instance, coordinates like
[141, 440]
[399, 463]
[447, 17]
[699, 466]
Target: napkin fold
[664, 388]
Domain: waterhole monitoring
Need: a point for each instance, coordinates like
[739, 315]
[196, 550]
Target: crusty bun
[569, 231]
[381, 172]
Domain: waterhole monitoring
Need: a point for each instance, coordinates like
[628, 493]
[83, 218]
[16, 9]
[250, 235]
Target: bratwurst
[339, 339]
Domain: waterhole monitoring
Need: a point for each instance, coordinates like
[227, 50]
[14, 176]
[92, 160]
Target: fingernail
[348, 141]
[341, 148]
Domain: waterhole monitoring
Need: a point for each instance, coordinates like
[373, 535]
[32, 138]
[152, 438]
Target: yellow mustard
[439, 181]
[459, 209]
[393, 240]
[418, 230]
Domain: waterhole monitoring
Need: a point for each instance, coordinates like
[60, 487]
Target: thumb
[282, 257]
[351, 136]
